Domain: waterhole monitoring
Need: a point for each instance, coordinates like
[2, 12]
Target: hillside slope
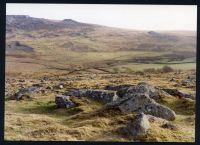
[71, 44]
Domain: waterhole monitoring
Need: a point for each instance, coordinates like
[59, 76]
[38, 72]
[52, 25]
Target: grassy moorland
[92, 56]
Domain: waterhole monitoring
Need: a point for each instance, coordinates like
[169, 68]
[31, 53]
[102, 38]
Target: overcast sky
[141, 17]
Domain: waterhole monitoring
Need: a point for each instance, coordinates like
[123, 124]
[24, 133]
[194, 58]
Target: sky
[137, 17]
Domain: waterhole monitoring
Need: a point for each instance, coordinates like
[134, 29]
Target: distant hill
[24, 22]
[70, 45]
[79, 36]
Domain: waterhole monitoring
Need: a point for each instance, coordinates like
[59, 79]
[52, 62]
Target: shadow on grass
[50, 108]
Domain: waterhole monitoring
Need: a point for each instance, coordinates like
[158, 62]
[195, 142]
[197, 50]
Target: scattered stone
[188, 82]
[175, 92]
[21, 81]
[141, 102]
[43, 91]
[63, 101]
[25, 92]
[172, 79]
[192, 77]
[169, 126]
[37, 85]
[105, 96]
[139, 126]
[45, 78]
[60, 86]
[49, 88]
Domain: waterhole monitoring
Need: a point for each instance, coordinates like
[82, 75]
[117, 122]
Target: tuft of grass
[181, 106]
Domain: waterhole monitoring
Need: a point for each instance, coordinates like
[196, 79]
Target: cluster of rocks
[127, 90]
[141, 98]
[128, 98]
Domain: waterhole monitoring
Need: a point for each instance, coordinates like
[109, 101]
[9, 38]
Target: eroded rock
[139, 126]
[175, 92]
[63, 101]
[105, 96]
[141, 102]
[26, 92]
[126, 90]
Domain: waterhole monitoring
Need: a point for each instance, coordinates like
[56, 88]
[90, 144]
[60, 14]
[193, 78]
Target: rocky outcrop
[126, 90]
[63, 101]
[26, 92]
[153, 92]
[77, 92]
[175, 92]
[141, 102]
[140, 98]
[139, 126]
[105, 96]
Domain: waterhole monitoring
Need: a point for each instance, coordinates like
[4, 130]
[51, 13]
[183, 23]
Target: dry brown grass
[39, 119]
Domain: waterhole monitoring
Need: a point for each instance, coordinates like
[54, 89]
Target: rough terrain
[70, 81]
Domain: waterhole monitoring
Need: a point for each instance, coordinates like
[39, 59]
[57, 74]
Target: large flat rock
[105, 96]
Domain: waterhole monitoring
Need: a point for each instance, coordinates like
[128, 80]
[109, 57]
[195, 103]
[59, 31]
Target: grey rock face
[149, 89]
[24, 92]
[126, 90]
[105, 96]
[64, 101]
[140, 102]
[121, 89]
[139, 126]
[77, 92]
[175, 92]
